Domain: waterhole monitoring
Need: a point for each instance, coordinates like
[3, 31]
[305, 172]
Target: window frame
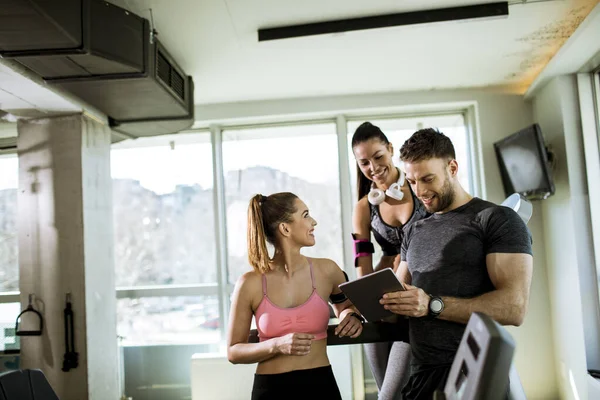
[588, 85]
[183, 290]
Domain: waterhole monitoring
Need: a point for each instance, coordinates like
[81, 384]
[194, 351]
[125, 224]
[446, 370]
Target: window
[302, 159]
[8, 316]
[170, 289]
[169, 320]
[9, 255]
[168, 284]
[165, 256]
[9, 261]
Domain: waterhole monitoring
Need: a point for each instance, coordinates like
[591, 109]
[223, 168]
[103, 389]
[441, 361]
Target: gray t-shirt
[446, 257]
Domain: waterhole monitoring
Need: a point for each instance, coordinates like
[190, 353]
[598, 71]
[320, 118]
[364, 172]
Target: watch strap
[358, 316]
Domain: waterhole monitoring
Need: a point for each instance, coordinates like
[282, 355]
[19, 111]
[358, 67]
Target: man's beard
[445, 197]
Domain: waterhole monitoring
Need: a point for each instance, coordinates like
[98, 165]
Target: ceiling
[215, 41]
[28, 97]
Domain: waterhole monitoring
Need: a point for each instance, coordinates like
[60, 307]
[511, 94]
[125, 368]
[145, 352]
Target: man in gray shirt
[469, 256]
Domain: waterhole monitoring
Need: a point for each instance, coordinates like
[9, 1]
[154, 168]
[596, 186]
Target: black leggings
[314, 383]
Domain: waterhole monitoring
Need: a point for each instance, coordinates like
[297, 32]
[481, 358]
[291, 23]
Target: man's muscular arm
[511, 275]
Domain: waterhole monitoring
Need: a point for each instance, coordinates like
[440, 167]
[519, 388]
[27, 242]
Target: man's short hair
[425, 144]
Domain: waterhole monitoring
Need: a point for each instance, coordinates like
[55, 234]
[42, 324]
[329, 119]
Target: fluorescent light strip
[499, 9]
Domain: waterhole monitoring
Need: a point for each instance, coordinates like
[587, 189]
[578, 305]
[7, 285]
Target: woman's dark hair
[265, 213]
[365, 132]
[425, 144]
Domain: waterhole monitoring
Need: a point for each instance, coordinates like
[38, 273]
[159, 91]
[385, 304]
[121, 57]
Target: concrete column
[65, 246]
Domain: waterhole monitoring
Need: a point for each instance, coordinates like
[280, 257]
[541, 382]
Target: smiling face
[374, 158]
[302, 226]
[433, 181]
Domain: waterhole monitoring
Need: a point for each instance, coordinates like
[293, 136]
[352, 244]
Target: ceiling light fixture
[488, 10]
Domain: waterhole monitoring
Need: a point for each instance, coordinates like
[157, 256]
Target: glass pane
[302, 159]
[8, 316]
[163, 212]
[168, 320]
[9, 252]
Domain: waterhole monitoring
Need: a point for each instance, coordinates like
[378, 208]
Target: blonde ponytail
[258, 256]
[264, 216]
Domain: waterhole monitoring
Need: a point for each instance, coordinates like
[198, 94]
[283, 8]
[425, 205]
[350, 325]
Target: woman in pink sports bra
[286, 295]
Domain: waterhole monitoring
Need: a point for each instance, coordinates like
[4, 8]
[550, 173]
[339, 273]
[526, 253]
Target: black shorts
[421, 385]
[315, 383]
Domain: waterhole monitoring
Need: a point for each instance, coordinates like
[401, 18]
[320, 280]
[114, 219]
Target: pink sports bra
[310, 317]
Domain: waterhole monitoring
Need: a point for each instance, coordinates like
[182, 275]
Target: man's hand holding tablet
[410, 302]
[367, 292]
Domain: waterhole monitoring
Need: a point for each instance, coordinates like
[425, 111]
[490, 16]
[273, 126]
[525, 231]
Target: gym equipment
[29, 384]
[30, 309]
[482, 363]
[373, 332]
[71, 359]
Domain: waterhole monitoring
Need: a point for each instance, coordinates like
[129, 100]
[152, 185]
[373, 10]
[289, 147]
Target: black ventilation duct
[104, 55]
[159, 101]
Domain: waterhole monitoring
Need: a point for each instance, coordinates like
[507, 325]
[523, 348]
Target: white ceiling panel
[216, 42]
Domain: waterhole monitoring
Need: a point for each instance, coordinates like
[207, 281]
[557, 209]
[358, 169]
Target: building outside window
[302, 159]
[164, 244]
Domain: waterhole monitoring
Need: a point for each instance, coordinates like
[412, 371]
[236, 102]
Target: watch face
[435, 306]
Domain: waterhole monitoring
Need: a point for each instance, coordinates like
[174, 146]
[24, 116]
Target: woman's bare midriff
[284, 363]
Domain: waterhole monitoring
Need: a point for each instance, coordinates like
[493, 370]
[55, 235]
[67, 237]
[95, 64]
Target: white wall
[497, 115]
[567, 232]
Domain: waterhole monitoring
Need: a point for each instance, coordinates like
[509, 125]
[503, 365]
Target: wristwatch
[436, 306]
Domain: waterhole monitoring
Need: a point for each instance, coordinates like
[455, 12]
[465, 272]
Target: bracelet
[358, 316]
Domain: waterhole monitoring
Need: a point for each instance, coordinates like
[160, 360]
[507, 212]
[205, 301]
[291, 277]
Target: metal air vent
[168, 75]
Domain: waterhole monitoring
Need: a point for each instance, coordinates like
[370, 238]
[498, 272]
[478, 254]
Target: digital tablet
[366, 292]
